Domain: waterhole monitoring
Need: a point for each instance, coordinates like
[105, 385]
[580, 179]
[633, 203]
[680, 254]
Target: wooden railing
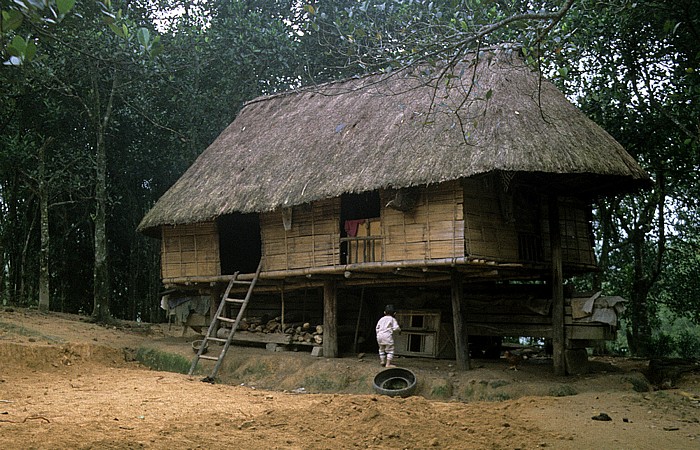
[363, 249]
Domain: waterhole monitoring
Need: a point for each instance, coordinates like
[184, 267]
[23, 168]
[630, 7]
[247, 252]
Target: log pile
[298, 332]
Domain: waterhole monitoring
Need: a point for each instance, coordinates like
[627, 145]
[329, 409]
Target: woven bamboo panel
[190, 250]
[577, 238]
[433, 229]
[312, 241]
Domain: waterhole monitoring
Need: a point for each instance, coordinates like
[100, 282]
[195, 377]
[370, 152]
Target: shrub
[563, 390]
[688, 344]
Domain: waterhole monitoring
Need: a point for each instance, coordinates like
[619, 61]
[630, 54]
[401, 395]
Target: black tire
[395, 382]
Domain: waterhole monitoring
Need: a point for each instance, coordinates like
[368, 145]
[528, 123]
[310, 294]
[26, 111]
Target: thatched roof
[395, 130]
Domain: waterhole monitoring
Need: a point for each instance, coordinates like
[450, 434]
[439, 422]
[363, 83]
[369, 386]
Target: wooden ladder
[221, 316]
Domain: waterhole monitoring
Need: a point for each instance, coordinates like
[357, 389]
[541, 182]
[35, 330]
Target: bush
[688, 345]
[661, 344]
[563, 390]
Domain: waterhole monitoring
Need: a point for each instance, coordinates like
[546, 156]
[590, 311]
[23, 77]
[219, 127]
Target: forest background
[105, 104]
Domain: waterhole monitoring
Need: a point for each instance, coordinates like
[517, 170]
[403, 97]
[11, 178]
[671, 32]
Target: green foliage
[688, 344]
[385, 35]
[661, 344]
[27, 16]
[632, 78]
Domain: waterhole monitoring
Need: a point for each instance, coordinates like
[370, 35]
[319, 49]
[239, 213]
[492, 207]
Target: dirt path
[65, 383]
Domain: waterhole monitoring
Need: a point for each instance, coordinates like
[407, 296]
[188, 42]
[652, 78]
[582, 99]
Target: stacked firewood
[300, 332]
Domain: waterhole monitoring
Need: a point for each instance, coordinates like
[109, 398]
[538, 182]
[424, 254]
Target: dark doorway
[356, 208]
[240, 245]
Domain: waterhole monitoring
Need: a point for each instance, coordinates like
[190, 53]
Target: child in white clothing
[386, 327]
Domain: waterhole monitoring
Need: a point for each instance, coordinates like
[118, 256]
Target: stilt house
[463, 197]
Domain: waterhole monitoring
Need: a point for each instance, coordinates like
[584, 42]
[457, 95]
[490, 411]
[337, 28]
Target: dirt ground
[68, 383]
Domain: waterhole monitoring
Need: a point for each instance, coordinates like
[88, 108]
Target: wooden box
[420, 331]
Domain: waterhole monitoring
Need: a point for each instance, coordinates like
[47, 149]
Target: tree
[636, 76]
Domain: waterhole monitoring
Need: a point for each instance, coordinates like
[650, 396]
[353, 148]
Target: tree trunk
[100, 311]
[640, 337]
[44, 287]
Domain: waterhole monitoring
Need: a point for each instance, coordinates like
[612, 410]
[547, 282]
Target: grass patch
[255, 370]
[167, 362]
[443, 391]
[323, 383]
[495, 384]
[563, 390]
[485, 390]
[497, 397]
[28, 332]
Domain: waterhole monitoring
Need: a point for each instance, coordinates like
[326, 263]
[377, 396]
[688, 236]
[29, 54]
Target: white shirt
[386, 327]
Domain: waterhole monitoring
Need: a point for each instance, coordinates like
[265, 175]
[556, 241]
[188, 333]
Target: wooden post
[215, 294]
[558, 337]
[461, 338]
[330, 324]
[359, 316]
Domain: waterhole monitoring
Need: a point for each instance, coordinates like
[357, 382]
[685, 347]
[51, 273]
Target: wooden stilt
[330, 323]
[461, 338]
[558, 337]
[357, 324]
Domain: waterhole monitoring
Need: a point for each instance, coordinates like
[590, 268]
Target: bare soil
[68, 383]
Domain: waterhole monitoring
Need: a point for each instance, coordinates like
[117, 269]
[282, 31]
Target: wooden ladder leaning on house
[241, 304]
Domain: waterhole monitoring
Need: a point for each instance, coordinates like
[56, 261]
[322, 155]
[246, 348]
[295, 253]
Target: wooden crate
[190, 250]
[420, 332]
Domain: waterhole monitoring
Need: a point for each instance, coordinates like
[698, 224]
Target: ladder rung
[225, 299]
[226, 319]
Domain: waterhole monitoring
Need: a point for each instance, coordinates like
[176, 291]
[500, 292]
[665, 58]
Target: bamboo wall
[312, 241]
[513, 227]
[576, 232]
[433, 230]
[190, 250]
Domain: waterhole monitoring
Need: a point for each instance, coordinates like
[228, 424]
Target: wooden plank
[534, 330]
[261, 338]
[600, 332]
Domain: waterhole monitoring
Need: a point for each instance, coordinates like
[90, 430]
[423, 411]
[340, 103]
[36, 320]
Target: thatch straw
[396, 130]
